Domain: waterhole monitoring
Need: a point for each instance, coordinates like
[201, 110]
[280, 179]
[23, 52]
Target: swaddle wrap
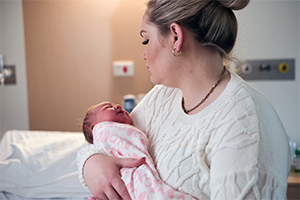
[126, 141]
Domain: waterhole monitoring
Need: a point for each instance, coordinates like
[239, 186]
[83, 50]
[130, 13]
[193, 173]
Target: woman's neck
[199, 77]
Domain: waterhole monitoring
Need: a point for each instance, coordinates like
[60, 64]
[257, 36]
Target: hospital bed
[40, 165]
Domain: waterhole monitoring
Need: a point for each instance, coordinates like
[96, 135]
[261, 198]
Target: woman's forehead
[145, 24]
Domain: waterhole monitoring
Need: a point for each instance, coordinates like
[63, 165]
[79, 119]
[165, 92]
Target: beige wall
[70, 47]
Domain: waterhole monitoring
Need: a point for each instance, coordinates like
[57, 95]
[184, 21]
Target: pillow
[44, 167]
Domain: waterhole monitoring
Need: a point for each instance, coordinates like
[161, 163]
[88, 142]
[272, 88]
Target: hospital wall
[70, 47]
[79, 73]
[13, 98]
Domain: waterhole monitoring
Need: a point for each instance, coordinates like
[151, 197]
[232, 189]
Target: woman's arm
[250, 161]
[82, 156]
[101, 174]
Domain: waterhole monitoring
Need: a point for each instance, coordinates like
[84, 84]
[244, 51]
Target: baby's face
[108, 111]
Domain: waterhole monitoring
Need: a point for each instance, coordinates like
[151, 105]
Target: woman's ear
[177, 36]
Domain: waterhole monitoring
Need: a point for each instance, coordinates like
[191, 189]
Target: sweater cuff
[82, 156]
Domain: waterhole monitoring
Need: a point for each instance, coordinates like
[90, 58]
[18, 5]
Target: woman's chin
[155, 82]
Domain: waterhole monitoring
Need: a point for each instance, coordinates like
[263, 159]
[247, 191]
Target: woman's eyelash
[145, 42]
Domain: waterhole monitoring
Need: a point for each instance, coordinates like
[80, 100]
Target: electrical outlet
[123, 68]
[273, 69]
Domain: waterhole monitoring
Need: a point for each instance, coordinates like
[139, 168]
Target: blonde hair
[212, 23]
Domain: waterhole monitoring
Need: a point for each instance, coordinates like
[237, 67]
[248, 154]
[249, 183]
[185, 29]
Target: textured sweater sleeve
[234, 166]
[236, 172]
[242, 163]
[82, 157]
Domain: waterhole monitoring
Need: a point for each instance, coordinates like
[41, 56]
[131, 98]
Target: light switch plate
[11, 79]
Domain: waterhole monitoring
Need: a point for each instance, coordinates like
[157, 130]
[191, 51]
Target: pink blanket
[126, 141]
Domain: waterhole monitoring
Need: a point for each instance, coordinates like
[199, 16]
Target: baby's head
[105, 111]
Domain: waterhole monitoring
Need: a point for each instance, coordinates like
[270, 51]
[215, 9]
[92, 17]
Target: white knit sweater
[236, 148]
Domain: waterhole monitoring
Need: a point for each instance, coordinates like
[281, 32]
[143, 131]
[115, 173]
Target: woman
[211, 135]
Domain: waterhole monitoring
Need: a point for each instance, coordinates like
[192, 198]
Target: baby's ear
[92, 126]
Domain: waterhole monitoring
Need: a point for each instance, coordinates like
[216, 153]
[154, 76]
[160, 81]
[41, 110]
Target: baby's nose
[117, 107]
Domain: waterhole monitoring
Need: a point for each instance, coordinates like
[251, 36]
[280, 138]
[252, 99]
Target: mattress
[40, 165]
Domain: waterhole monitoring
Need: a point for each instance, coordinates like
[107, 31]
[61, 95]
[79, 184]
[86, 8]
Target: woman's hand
[102, 175]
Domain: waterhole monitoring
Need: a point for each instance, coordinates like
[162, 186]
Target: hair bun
[234, 4]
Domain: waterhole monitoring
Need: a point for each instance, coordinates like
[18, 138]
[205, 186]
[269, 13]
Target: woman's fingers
[107, 192]
[118, 190]
[100, 198]
[117, 182]
[129, 162]
[102, 175]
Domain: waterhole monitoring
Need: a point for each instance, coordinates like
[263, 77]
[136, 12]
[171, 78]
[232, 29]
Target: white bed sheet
[40, 165]
[10, 196]
[19, 135]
